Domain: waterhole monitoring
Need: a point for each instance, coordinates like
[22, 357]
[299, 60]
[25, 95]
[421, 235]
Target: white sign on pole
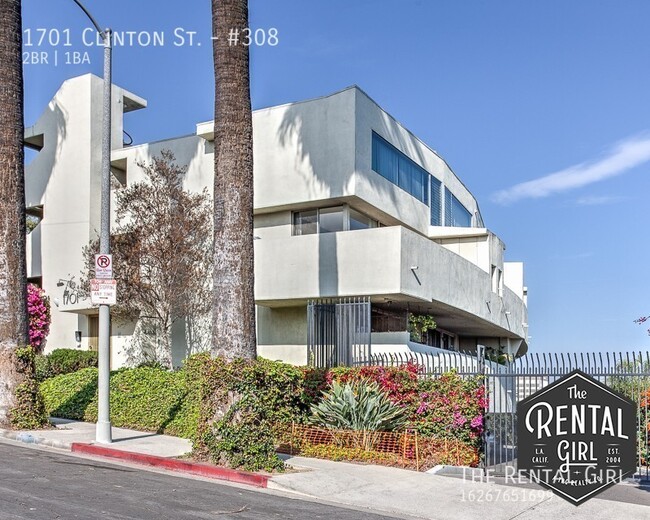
[104, 266]
[103, 292]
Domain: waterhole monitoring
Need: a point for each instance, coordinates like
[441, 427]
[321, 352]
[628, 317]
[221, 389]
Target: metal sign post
[103, 432]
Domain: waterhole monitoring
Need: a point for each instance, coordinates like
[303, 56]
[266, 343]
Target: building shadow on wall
[308, 136]
[52, 123]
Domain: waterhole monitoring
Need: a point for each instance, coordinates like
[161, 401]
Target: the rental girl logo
[577, 437]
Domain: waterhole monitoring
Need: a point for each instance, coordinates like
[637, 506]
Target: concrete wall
[294, 325]
[60, 178]
[269, 226]
[349, 263]
[460, 284]
[190, 151]
[399, 342]
[514, 277]
[475, 249]
[282, 334]
[378, 262]
[64, 178]
[497, 249]
[304, 152]
[33, 252]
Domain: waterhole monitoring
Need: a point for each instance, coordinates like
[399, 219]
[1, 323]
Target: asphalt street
[43, 485]
[631, 492]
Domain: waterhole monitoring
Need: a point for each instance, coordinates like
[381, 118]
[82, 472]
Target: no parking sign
[104, 266]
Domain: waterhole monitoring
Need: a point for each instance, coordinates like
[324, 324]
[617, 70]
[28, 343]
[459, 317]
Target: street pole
[103, 433]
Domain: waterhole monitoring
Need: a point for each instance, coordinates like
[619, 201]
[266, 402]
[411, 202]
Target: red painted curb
[196, 468]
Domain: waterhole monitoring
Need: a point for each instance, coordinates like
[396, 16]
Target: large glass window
[360, 221]
[305, 222]
[330, 220]
[436, 202]
[384, 159]
[456, 215]
[393, 165]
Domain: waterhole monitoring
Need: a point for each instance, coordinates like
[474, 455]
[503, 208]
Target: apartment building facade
[348, 204]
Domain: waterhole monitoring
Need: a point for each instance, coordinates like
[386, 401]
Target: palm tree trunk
[233, 326]
[13, 286]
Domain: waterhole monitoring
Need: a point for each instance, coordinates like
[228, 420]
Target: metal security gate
[338, 332]
[506, 385]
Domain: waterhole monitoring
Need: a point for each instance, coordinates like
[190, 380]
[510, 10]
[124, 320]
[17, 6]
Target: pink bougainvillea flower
[38, 309]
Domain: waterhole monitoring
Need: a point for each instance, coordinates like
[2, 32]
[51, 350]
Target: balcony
[388, 264]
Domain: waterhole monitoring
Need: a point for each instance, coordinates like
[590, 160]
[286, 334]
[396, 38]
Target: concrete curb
[455, 471]
[28, 438]
[195, 468]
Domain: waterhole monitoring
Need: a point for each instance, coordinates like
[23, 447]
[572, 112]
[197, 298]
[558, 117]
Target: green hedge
[149, 399]
[232, 411]
[28, 411]
[63, 361]
[229, 410]
[241, 402]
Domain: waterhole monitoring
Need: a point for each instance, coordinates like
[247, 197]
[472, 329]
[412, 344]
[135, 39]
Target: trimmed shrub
[241, 403]
[28, 411]
[155, 399]
[72, 396]
[241, 438]
[148, 399]
[64, 361]
[40, 367]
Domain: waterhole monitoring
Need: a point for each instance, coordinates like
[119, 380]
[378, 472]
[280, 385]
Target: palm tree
[233, 322]
[13, 285]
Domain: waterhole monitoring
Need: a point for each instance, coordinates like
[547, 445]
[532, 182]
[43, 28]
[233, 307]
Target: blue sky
[541, 108]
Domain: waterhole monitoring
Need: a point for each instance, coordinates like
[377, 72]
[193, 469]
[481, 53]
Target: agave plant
[359, 406]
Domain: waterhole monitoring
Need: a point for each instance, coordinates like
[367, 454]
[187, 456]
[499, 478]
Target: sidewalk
[68, 432]
[378, 488]
[442, 497]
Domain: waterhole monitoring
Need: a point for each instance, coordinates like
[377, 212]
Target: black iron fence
[507, 384]
[338, 332]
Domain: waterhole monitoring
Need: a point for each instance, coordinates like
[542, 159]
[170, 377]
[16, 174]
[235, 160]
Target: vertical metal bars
[338, 332]
[626, 372]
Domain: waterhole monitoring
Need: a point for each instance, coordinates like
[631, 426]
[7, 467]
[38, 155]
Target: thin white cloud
[624, 156]
[599, 200]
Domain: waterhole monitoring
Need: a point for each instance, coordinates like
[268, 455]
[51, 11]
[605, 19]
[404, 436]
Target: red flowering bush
[38, 309]
[400, 383]
[447, 407]
[451, 406]
[315, 382]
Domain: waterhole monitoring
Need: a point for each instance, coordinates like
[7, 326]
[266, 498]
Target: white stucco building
[348, 203]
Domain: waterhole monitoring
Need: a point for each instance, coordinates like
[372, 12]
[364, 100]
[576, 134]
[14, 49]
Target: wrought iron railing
[506, 384]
